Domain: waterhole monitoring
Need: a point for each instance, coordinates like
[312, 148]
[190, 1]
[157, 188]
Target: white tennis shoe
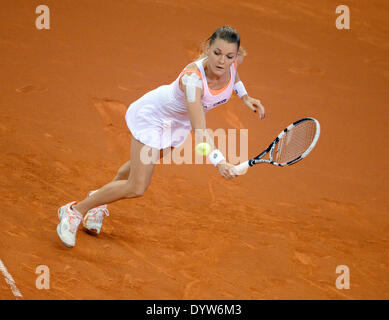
[69, 222]
[93, 220]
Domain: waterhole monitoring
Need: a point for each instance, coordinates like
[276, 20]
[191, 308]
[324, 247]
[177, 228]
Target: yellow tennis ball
[203, 149]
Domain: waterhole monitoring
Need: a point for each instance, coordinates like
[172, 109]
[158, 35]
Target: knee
[135, 191]
[123, 172]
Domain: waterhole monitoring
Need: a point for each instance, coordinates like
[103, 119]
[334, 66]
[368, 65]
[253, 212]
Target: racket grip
[242, 168]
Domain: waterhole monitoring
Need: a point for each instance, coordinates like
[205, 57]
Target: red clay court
[275, 233]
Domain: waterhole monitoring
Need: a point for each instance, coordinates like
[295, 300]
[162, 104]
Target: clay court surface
[275, 233]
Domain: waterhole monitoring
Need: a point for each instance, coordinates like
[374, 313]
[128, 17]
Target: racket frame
[270, 149]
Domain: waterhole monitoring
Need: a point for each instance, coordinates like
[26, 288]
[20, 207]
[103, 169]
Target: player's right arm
[191, 85]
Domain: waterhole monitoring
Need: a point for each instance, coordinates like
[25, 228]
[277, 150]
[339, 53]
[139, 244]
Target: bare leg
[138, 181]
[124, 171]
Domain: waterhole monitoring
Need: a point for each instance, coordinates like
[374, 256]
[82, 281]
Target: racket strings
[295, 142]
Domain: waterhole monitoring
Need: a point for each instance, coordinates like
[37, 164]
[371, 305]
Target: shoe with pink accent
[69, 221]
[93, 220]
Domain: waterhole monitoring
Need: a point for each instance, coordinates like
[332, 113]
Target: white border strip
[10, 280]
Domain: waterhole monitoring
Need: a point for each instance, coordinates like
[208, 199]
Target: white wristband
[216, 156]
[239, 88]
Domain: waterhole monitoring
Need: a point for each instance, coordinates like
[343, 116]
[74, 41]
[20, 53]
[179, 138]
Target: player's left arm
[240, 90]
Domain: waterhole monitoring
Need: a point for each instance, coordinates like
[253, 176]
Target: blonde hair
[226, 33]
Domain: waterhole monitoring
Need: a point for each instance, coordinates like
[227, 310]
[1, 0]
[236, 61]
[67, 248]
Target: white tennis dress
[160, 119]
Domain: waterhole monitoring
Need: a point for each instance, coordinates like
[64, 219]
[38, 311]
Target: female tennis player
[202, 85]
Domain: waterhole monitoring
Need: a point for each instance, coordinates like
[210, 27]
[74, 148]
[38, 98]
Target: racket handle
[242, 168]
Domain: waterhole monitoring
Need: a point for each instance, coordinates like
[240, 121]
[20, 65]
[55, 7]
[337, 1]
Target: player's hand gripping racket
[292, 144]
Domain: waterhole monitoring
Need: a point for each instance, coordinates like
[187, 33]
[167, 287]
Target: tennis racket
[292, 144]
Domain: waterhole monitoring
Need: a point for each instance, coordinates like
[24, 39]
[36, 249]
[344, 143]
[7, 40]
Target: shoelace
[105, 211]
[99, 212]
[74, 221]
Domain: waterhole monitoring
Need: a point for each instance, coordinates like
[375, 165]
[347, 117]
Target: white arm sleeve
[191, 82]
